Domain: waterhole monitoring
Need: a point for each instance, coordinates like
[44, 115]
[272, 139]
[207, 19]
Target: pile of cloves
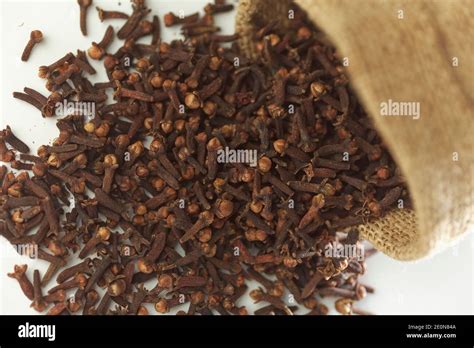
[136, 192]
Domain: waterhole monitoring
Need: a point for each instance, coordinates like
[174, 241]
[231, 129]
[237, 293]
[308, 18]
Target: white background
[442, 284]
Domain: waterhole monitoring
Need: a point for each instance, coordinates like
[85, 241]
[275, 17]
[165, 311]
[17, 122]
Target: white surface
[442, 284]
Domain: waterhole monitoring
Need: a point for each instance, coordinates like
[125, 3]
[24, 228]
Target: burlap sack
[405, 59]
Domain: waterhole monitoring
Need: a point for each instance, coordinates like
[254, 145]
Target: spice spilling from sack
[206, 170]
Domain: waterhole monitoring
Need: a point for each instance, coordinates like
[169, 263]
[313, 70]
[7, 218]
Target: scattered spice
[255, 171]
[36, 37]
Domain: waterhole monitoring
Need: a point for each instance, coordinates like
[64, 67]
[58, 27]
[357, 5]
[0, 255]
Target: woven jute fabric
[405, 51]
[252, 15]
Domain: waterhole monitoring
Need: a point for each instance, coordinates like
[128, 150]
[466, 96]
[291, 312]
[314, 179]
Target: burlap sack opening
[405, 59]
